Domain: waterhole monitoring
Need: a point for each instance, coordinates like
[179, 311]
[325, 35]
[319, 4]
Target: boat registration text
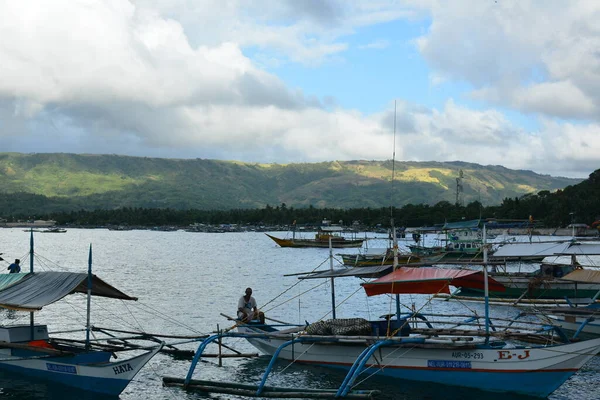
[467, 355]
[67, 369]
[449, 364]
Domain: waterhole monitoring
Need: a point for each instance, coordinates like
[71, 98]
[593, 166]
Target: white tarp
[531, 249]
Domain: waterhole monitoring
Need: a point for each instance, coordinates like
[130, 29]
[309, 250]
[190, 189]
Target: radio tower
[459, 188]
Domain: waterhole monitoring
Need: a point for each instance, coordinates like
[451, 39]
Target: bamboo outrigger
[263, 390]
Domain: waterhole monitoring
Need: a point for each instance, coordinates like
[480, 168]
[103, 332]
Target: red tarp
[429, 281]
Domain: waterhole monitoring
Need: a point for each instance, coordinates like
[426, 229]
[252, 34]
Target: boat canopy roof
[32, 291]
[9, 279]
[547, 249]
[583, 276]
[584, 249]
[526, 249]
[376, 251]
[360, 272]
[428, 281]
[472, 224]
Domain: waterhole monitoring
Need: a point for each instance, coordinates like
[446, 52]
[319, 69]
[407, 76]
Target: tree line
[578, 203]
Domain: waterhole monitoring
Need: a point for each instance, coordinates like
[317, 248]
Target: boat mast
[89, 302]
[486, 291]
[332, 279]
[31, 318]
[394, 237]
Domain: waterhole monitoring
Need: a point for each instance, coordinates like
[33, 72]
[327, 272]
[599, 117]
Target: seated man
[247, 308]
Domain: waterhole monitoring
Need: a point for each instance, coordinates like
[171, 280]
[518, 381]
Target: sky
[494, 82]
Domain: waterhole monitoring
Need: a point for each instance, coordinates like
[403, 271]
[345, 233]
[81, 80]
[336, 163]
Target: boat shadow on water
[316, 377]
[14, 385]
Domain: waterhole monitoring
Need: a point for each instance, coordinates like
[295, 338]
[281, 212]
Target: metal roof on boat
[584, 249]
[547, 249]
[531, 249]
[38, 289]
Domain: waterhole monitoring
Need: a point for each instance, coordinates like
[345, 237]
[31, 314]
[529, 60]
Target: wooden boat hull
[521, 370]
[529, 286]
[87, 371]
[339, 243]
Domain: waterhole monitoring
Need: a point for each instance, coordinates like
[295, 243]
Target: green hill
[81, 181]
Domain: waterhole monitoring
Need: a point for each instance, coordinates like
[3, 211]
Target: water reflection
[16, 386]
[190, 278]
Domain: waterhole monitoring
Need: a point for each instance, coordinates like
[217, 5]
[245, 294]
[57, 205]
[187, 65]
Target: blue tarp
[472, 224]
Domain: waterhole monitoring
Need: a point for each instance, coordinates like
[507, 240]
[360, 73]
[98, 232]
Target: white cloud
[532, 56]
[174, 79]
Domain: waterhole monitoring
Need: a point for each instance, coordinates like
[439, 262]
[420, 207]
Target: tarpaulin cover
[472, 224]
[362, 272]
[582, 276]
[38, 289]
[429, 281]
[9, 279]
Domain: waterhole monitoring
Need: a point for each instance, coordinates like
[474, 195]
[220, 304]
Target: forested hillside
[35, 183]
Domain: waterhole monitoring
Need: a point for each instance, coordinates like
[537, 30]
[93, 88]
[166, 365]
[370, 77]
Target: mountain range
[84, 181]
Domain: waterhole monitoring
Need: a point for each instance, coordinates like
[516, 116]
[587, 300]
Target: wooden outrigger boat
[463, 353]
[321, 240]
[30, 351]
[579, 316]
[462, 241]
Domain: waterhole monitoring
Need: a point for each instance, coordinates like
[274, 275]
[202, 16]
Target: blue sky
[500, 82]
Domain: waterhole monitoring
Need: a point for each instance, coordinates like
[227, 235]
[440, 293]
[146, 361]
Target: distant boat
[120, 228]
[322, 238]
[54, 230]
[463, 241]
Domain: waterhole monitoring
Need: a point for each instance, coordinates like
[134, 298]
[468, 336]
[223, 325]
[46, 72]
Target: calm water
[185, 280]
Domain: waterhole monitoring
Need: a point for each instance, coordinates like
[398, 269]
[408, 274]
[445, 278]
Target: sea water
[184, 281]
